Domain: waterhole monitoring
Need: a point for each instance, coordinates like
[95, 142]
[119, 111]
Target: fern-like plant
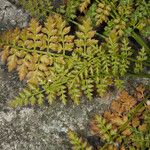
[37, 8]
[61, 64]
[64, 60]
[78, 143]
[124, 127]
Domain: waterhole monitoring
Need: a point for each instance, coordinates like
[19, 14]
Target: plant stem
[101, 36]
[74, 22]
[140, 41]
[37, 51]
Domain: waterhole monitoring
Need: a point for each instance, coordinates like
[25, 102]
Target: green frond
[29, 96]
[105, 129]
[75, 93]
[140, 58]
[125, 8]
[146, 30]
[113, 49]
[62, 94]
[65, 41]
[102, 84]
[104, 61]
[69, 55]
[83, 5]
[78, 143]
[74, 78]
[124, 55]
[119, 83]
[116, 26]
[37, 8]
[87, 88]
[71, 9]
[140, 14]
[32, 50]
[91, 13]
[102, 13]
[50, 91]
[85, 42]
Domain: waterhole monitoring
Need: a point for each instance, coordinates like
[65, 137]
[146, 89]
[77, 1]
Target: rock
[45, 127]
[36, 128]
[11, 16]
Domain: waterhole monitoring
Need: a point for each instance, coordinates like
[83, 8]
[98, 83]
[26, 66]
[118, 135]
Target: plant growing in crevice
[79, 143]
[125, 126]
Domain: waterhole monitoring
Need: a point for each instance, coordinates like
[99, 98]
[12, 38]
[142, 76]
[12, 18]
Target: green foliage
[120, 129]
[28, 97]
[140, 58]
[121, 17]
[61, 64]
[78, 143]
[106, 131]
[65, 56]
[83, 48]
[37, 8]
[141, 136]
[102, 13]
[69, 10]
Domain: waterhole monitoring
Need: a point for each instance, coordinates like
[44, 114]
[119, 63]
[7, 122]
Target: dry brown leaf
[108, 115]
[128, 105]
[127, 100]
[83, 6]
[117, 116]
[112, 147]
[124, 96]
[12, 62]
[116, 107]
[117, 121]
[127, 132]
[125, 118]
[143, 127]
[22, 71]
[140, 92]
[4, 54]
[135, 122]
[122, 147]
[94, 128]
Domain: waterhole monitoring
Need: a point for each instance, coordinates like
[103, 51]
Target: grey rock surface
[42, 128]
[11, 16]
